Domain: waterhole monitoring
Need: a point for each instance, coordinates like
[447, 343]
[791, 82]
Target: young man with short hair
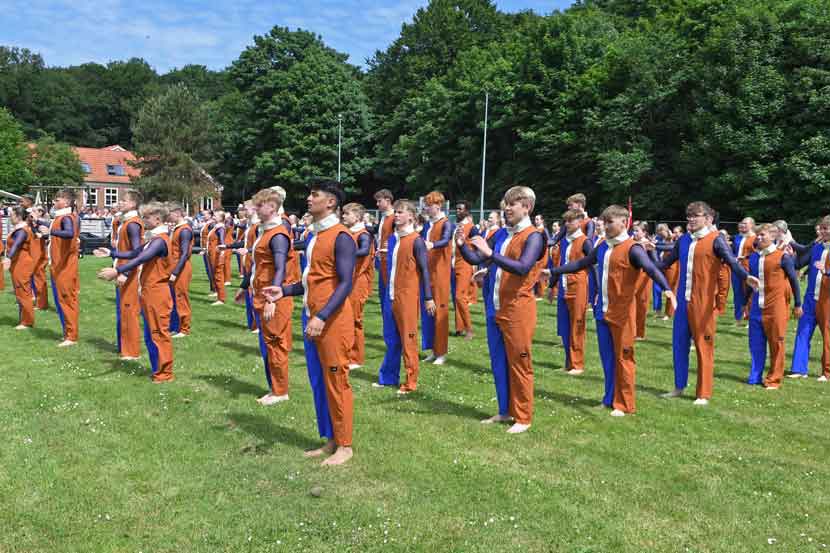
[464, 287]
[325, 287]
[20, 265]
[741, 249]
[64, 250]
[769, 312]
[436, 329]
[156, 300]
[217, 255]
[619, 262]
[363, 274]
[515, 268]
[181, 249]
[699, 254]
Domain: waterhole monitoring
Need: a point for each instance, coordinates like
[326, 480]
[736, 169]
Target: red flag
[630, 214]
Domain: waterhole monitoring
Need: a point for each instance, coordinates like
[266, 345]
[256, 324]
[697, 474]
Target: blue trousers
[250, 314]
[757, 351]
[498, 363]
[681, 342]
[427, 328]
[152, 350]
[118, 319]
[656, 298]
[563, 326]
[318, 386]
[803, 338]
[738, 297]
[175, 321]
[59, 309]
[606, 354]
[389, 373]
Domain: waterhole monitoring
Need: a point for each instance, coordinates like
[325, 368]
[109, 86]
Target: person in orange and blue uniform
[437, 234]
[20, 264]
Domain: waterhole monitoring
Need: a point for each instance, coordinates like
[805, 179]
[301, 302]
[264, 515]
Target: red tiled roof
[99, 158]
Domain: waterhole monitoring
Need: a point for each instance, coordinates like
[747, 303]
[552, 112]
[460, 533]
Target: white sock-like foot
[771, 387]
[180, 335]
[353, 366]
[127, 358]
[379, 385]
[575, 372]
[617, 413]
[497, 418]
[796, 375]
[21, 327]
[677, 392]
[518, 428]
[66, 344]
[440, 360]
[822, 378]
[429, 358]
[218, 303]
[701, 401]
[271, 399]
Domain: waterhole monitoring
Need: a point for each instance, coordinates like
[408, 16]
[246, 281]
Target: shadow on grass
[265, 430]
[135, 369]
[8, 321]
[102, 345]
[232, 385]
[437, 406]
[245, 349]
[46, 333]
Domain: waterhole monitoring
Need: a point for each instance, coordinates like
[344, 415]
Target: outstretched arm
[574, 266]
[721, 249]
[639, 258]
[156, 248]
[531, 253]
[66, 230]
[788, 264]
[134, 234]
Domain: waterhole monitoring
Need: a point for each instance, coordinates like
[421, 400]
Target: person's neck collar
[357, 227]
[63, 211]
[388, 213]
[129, 214]
[20, 225]
[769, 249]
[700, 233]
[520, 226]
[274, 222]
[325, 223]
[161, 229]
[441, 215]
[619, 239]
[405, 231]
[181, 223]
[576, 234]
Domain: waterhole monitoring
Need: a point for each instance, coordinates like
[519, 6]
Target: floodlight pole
[484, 151]
[339, 142]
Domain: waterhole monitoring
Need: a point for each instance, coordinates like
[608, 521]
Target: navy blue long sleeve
[724, 252]
[800, 249]
[134, 234]
[156, 248]
[446, 236]
[67, 229]
[531, 253]
[279, 245]
[364, 245]
[638, 257]
[185, 239]
[788, 264]
[19, 239]
[419, 248]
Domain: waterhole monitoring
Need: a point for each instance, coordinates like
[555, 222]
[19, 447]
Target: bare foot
[327, 449]
[271, 399]
[180, 335]
[440, 360]
[353, 366]
[518, 428]
[128, 358]
[469, 335]
[497, 418]
[255, 331]
[402, 392]
[218, 303]
[340, 456]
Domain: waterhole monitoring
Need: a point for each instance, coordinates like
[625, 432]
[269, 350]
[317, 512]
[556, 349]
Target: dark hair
[465, 203]
[330, 187]
[384, 193]
[20, 212]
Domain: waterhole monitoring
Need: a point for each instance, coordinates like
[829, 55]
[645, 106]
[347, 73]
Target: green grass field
[95, 458]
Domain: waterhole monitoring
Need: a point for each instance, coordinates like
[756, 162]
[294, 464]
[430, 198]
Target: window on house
[92, 197]
[115, 170]
[110, 197]
[86, 168]
[207, 202]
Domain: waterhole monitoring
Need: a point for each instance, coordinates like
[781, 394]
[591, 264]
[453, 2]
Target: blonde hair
[577, 199]
[269, 196]
[355, 208]
[521, 194]
[572, 215]
[614, 212]
[155, 209]
[406, 205]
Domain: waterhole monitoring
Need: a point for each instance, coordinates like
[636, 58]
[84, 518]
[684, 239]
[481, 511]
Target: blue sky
[207, 32]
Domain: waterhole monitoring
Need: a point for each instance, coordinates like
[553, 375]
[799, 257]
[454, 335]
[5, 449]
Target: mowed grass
[95, 458]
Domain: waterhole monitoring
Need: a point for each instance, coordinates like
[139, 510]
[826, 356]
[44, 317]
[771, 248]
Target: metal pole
[484, 151]
[339, 142]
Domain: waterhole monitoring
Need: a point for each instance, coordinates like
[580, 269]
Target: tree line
[665, 101]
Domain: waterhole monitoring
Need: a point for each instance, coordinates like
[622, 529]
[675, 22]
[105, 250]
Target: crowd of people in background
[608, 268]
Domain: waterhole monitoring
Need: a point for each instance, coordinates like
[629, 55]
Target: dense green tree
[15, 175]
[174, 143]
[54, 163]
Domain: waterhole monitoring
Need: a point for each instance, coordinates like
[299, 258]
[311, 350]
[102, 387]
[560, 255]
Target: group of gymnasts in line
[599, 264]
